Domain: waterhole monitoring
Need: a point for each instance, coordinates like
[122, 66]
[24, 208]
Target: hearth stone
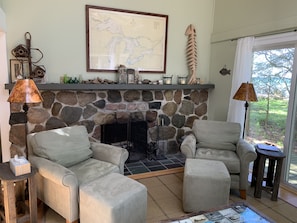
[114, 96]
[67, 97]
[100, 103]
[147, 96]
[187, 107]
[131, 95]
[170, 108]
[155, 105]
[48, 98]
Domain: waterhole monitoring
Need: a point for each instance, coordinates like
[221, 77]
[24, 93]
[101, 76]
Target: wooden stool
[273, 176]
[8, 179]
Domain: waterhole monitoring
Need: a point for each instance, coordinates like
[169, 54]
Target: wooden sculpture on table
[191, 53]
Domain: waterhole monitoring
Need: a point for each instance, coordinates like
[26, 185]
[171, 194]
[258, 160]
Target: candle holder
[182, 80]
[167, 79]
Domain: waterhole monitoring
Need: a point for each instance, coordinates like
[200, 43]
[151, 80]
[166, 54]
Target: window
[273, 118]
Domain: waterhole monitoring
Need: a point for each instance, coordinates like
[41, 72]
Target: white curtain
[241, 73]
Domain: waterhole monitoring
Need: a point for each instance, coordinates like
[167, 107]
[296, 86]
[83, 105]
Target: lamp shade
[25, 91]
[246, 92]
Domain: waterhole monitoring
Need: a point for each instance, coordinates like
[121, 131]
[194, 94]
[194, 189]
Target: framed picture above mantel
[135, 39]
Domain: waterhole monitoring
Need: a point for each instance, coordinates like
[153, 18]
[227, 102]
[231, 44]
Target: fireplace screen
[131, 136]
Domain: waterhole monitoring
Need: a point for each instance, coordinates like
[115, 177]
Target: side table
[273, 176]
[8, 179]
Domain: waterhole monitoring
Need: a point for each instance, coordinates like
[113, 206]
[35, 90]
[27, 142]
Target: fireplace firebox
[131, 135]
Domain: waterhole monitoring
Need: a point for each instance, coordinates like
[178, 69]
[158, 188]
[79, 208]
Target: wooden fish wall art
[224, 71]
[191, 53]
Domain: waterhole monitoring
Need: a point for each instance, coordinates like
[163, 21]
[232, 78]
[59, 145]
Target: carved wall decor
[191, 53]
[29, 67]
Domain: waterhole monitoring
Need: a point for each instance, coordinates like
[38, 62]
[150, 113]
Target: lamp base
[246, 105]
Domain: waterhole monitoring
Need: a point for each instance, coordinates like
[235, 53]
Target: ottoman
[206, 185]
[113, 198]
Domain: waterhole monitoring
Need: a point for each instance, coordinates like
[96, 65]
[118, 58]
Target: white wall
[58, 29]
[4, 105]
[239, 18]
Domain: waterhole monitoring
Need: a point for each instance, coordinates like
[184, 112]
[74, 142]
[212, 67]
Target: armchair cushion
[75, 141]
[216, 134]
[92, 169]
[229, 158]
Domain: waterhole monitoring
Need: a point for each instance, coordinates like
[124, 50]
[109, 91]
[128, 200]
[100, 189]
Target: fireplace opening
[131, 135]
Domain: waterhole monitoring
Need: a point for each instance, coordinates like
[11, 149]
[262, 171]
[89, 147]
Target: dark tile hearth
[146, 165]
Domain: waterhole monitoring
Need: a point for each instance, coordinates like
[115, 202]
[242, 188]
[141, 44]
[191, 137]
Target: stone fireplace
[168, 113]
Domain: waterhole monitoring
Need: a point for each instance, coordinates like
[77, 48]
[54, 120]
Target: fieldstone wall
[173, 110]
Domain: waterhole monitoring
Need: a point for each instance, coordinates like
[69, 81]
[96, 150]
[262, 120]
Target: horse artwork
[191, 53]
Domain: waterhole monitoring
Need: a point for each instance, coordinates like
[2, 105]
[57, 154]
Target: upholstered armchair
[217, 140]
[66, 159]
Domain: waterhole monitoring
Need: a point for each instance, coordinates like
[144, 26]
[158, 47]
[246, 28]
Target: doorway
[4, 105]
[273, 118]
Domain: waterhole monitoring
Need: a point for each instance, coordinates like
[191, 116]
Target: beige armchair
[217, 140]
[66, 159]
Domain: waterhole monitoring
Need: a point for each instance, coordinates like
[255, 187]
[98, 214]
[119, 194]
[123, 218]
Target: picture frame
[19, 68]
[117, 37]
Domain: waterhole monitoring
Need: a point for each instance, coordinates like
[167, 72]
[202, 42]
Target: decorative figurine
[191, 53]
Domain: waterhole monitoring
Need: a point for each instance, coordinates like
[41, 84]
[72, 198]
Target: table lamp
[25, 91]
[246, 92]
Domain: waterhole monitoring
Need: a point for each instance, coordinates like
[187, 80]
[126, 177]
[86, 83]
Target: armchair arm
[57, 187]
[188, 146]
[56, 172]
[111, 154]
[246, 153]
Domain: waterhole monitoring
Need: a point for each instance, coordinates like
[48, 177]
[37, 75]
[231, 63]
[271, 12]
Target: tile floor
[165, 201]
[148, 165]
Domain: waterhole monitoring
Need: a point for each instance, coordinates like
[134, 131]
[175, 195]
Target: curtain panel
[241, 73]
